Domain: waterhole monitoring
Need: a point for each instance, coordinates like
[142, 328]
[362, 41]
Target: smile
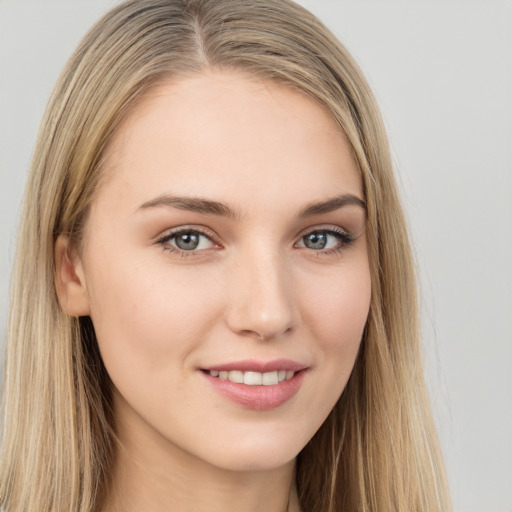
[257, 385]
[254, 378]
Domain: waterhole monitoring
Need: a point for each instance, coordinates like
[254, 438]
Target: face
[225, 269]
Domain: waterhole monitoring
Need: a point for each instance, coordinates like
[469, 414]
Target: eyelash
[165, 239]
[344, 239]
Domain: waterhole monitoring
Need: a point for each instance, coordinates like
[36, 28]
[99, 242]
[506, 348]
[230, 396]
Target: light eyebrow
[332, 204]
[191, 204]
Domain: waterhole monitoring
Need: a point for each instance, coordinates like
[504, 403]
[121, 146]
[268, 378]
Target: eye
[324, 240]
[186, 240]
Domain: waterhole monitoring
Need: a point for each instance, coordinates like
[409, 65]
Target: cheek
[145, 317]
[337, 306]
[336, 312]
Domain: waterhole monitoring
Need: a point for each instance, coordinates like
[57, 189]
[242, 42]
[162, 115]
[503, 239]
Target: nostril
[265, 335]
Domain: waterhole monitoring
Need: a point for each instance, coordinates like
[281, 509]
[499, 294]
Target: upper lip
[251, 365]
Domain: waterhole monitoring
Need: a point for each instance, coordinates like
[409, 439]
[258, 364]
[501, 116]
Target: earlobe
[69, 279]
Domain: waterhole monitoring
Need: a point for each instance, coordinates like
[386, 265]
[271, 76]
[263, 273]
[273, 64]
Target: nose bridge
[261, 300]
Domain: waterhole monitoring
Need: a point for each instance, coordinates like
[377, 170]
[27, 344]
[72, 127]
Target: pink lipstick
[257, 385]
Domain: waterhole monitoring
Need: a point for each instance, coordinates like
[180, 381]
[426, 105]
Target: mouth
[250, 378]
[257, 385]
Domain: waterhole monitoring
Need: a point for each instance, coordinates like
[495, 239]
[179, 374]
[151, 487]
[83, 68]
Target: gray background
[442, 72]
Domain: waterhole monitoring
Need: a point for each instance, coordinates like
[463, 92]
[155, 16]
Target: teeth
[254, 378]
[270, 379]
[236, 376]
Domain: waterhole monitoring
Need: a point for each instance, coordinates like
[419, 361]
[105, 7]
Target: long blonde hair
[378, 449]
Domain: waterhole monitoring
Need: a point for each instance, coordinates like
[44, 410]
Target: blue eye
[187, 240]
[324, 240]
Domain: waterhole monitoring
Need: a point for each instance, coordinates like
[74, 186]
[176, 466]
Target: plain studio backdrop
[442, 73]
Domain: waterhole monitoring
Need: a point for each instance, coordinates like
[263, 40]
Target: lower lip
[258, 397]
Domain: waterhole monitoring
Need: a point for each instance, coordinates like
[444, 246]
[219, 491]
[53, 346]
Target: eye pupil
[316, 240]
[187, 241]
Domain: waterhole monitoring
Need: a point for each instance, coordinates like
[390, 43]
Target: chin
[255, 453]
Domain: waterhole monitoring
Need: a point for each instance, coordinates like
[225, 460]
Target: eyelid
[203, 230]
[344, 236]
[329, 228]
[167, 235]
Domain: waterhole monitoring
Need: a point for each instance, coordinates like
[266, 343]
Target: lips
[257, 385]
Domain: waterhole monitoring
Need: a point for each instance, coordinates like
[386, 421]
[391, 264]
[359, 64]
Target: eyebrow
[192, 204]
[206, 206]
[331, 205]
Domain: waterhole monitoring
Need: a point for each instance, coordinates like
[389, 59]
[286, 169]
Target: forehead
[219, 133]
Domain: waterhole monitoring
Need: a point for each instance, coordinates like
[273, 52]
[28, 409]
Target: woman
[214, 288]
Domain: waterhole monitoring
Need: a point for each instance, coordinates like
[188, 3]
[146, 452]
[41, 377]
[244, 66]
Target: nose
[262, 304]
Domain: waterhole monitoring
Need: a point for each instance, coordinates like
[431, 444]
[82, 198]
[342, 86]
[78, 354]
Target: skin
[253, 288]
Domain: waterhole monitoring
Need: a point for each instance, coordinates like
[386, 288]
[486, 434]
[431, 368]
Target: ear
[69, 279]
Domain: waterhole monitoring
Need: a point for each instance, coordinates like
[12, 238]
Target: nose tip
[262, 303]
[265, 328]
